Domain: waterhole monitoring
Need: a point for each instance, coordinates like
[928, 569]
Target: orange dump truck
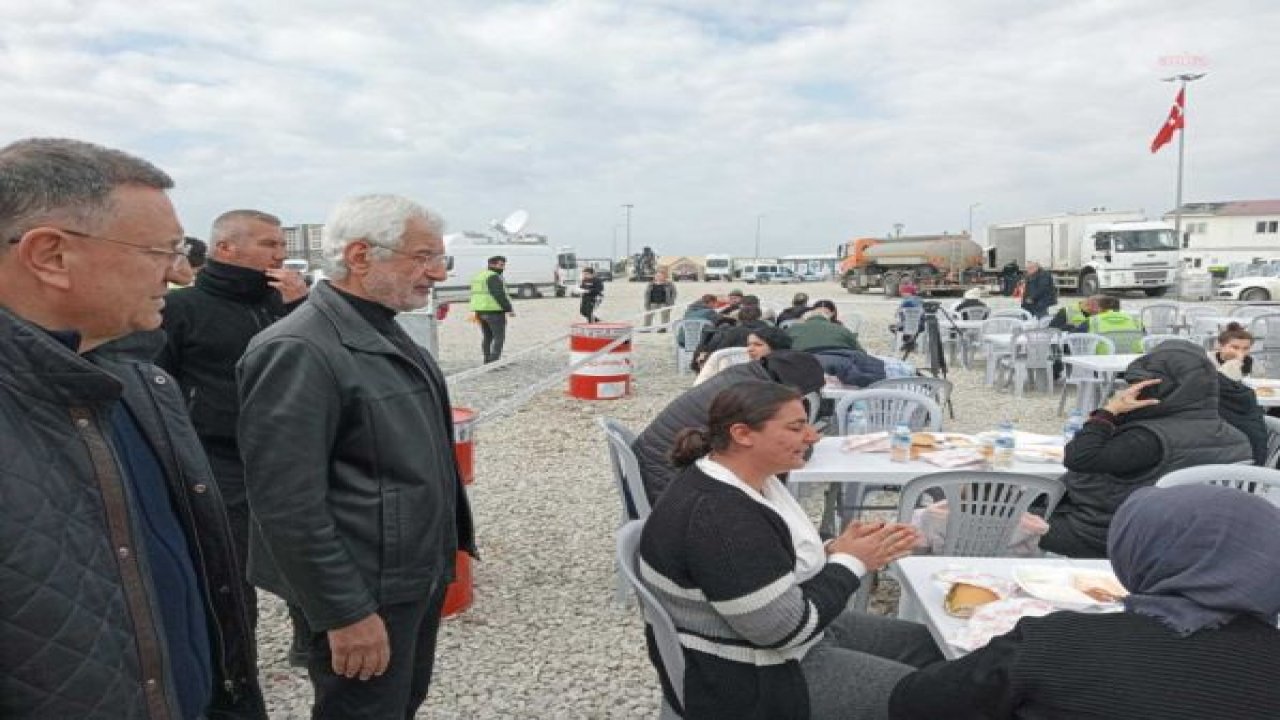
[935, 263]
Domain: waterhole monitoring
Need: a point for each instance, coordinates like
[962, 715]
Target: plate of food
[1071, 588]
[966, 591]
[942, 440]
[1039, 454]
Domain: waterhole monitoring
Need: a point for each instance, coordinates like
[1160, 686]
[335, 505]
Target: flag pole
[1182, 81]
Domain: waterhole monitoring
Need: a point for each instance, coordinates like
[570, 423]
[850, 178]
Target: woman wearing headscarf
[1166, 420]
[1197, 638]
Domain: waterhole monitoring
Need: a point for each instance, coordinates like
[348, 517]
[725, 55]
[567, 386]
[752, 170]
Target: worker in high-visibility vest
[1110, 320]
[1074, 317]
[491, 304]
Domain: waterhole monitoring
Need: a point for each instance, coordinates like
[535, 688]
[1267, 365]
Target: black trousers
[224, 460]
[587, 307]
[397, 694]
[493, 329]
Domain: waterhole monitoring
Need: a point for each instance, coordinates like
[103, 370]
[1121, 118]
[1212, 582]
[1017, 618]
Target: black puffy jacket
[79, 626]
[1238, 405]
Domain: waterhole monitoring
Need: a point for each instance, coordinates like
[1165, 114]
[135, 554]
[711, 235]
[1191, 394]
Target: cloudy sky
[828, 119]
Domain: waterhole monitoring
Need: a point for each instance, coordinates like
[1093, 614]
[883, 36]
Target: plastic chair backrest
[1018, 313]
[1189, 314]
[689, 332]
[983, 508]
[1149, 342]
[812, 404]
[1273, 441]
[909, 319]
[1126, 341]
[975, 313]
[1087, 344]
[1266, 329]
[887, 408]
[936, 389]
[1248, 312]
[1035, 347]
[1250, 478]
[1000, 325]
[664, 629]
[1159, 318]
[721, 359]
[626, 468]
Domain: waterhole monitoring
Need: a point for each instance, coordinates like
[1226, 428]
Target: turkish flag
[1173, 124]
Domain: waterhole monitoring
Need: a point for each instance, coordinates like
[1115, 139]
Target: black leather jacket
[79, 626]
[356, 501]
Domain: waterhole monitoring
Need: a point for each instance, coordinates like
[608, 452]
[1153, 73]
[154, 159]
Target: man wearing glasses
[346, 432]
[242, 289]
[120, 594]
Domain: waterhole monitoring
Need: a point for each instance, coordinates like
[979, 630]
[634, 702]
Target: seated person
[799, 306]
[1197, 638]
[765, 340]
[653, 446]
[972, 298]
[819, 332]
[731, 335]
[1166, 420]
[1074, 317]
[730, 305]
[701, 309]
[831, 309]
[1109, 320]
[852, 368]
[761, 604]
[1237, 402]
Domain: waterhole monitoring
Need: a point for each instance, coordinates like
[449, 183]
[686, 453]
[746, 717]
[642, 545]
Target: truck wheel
[1155, 292]
[1089, 284]
[1255, 295]
[526, 292]
[891, 285]
[559, 291]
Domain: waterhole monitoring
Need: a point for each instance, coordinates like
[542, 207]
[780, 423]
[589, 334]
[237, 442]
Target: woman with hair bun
[758, 600]
[1237, 402]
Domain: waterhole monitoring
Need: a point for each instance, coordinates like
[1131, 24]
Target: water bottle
[1003, 456]
[858, 419]
[900, 444]
[1075, 422]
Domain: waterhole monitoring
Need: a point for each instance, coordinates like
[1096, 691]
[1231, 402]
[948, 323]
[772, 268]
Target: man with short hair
[1038, 292]
[347, 437]
[492, 306]
[659, 295]
[799, 306]
[592, 289]
[121, 595]
[1108, 319]
[241, 291]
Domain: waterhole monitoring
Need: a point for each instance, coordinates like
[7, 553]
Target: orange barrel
[464, 443]
[460, 593]
[608, 377]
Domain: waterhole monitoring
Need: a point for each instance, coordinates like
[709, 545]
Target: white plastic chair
[1252, 479]
[1266, 349]
[1126, 341]
[936, 389]
[1273, 441]
[626, 478]
[983, 508]
[1018, 313]
[887, 408]
[1246, 313]
[719, 360]
[1190, 314]
[1149, 342]
[909, 323]
[996, 325]
[1160, 318]
[687, 333]
[1033, 351]
[665, 635]
[1084, 381]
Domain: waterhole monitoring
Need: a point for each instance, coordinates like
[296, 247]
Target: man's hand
[1127, 400]
[289, 282]
[360, 649]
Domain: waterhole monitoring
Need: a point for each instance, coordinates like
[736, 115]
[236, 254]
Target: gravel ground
[543, 638]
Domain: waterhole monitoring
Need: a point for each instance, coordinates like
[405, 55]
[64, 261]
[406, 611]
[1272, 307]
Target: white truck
[719, 267]
[532, 265]
[1090, 252]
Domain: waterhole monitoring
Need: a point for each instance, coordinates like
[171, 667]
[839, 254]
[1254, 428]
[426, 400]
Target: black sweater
[1075, 666]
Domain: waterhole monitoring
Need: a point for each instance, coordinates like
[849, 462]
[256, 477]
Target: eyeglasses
[175, 257]
[422, 260]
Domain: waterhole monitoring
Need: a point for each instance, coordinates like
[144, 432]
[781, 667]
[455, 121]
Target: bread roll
[964, 598]
[1101, 588]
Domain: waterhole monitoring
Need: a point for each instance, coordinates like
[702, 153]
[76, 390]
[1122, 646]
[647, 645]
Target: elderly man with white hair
[346, 433]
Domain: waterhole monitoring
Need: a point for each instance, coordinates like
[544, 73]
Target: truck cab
[1129, 256]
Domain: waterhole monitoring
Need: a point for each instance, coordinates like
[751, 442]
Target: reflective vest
[481, 299]
[1075, 314]
[1113, 321]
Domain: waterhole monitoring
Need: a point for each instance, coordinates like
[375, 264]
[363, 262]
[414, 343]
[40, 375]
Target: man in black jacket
[1039, 293]
[346, 432]
[120, 595]
[241, 291]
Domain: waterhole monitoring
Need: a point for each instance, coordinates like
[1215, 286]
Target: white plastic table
[1105, 366]
[1274, 385]
[921, 599]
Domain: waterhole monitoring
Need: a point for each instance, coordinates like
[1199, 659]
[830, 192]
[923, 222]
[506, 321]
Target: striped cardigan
[723, 565]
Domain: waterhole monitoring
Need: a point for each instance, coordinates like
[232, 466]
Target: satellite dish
[515, 222]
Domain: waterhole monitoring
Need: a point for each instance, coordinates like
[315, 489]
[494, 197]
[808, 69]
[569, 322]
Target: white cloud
[829, 118]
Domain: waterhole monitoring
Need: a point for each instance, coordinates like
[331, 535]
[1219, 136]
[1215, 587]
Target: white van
[768, 273]
[531, 266]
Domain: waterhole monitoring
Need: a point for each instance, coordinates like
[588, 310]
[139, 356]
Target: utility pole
[628, 206]
[958, 254]
[758, 219]
[1182, 81]
[614, 257]
[897, 229]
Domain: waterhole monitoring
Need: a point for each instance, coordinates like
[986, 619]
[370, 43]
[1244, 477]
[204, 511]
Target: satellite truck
[1090, 252]
[533, 266]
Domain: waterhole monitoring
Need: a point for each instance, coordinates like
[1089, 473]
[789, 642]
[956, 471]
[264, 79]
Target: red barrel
[608, 377]
[461, 591]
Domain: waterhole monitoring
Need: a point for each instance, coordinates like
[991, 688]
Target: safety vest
[1112, 321]
[1075, 314]
[481, 299]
